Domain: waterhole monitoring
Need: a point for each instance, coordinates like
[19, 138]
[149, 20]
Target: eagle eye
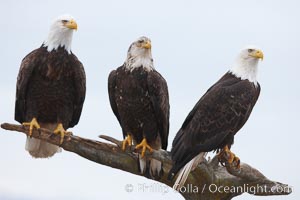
[64, 21]
[250, 50]
[140, 41]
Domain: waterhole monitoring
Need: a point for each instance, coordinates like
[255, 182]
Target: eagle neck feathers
[245, 70]
[57, 38]
[134, 62]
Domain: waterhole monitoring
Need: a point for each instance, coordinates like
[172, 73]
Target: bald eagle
[139, 99]
[50, 87]
[217, 117]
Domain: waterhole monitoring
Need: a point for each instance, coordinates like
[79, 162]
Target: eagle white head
[61, 32]
[139, 55]
[245, 65]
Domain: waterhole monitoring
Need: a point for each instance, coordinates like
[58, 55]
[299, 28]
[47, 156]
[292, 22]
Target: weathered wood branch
[208, 181]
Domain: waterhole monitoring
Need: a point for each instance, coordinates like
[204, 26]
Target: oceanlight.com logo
[206, 188]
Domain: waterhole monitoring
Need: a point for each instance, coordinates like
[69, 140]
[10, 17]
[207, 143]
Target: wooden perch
[208, 181]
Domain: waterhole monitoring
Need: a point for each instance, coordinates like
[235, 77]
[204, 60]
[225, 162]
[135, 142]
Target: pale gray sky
[194, 43]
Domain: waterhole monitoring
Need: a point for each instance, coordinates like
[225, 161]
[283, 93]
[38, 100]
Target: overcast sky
[193, 44]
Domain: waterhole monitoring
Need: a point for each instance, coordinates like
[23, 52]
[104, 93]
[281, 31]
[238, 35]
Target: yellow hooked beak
[71, 24]
[147, 45]
[257, 54]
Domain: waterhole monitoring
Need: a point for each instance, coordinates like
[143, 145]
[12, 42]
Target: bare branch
[208, 181]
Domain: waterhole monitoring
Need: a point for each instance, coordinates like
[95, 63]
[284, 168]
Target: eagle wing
[79, 79]
[223, 110]
[27, 66]
[158, 92]
[111, 93]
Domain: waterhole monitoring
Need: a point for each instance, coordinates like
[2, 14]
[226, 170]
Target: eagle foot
[126, 141]
[32, 124]
[60, 130]
[144, 146]
[226, 156]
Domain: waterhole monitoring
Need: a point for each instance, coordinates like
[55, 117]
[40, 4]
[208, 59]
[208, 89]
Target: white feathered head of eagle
[139, 55]
[61, 32]
[245, 65]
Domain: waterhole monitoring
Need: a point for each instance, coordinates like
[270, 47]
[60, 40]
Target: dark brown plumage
[215, 119]
[140, 101]
[50, 87]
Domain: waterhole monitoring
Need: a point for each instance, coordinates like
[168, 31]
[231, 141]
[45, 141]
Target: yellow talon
[144, 145]
[32, 124]
[128, 140]
[227, 156]
[60, 130]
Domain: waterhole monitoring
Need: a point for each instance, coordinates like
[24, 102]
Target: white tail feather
[155, 168]
[143, 164]
[40, 149]
[185, 171]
